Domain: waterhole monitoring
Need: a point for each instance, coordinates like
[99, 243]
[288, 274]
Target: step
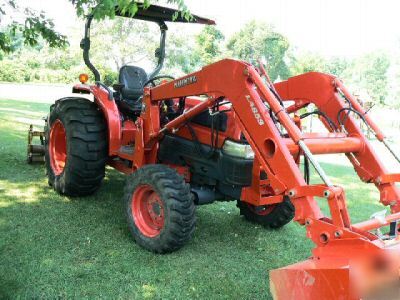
[126, 151]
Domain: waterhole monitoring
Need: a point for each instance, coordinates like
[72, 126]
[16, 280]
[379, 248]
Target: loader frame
[253, 102]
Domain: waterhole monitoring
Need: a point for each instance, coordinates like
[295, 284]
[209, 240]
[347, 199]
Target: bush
[26, 71]
[11, 72]
[109, 77]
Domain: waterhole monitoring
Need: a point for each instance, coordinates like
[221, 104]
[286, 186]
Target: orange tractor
[227, 133]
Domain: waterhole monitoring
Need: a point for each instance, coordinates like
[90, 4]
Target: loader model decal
[185, 81]
[255, 111]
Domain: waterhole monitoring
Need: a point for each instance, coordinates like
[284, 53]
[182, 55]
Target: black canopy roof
[155, 13]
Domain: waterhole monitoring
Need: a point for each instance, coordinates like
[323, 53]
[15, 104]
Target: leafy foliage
[33, 26]
[208, 45]
[367, 74]
[259, 40]
[370, 73]
[185, 54]
[308, 62]
[180, 58]
[128, 41]
[394, 79]
[106, 8]
[45, 64]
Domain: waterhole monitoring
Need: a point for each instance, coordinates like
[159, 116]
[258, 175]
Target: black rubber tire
[282, 214]
[87, 145]
[179, 208]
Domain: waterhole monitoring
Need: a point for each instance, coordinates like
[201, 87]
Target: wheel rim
[147, 211]
[261, 210]
[58, 147]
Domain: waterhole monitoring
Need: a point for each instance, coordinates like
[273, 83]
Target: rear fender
[110, 111]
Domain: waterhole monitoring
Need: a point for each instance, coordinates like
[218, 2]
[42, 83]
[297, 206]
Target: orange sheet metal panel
[312, 280]
[350, 274]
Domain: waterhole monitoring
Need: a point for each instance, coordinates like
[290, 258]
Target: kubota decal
[185, 81]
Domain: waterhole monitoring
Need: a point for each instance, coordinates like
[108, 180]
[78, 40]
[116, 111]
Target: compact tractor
[228, 133]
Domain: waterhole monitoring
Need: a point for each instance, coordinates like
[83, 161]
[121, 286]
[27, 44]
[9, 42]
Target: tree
[367, 74]
[106, 8]
[33, 26]
[28, 24]
[338, 66]
[394, 77]
[208, 45]
[187, 54]
[180, 58]
[260, 40]
[308, 62]
[370, 73]
[129, 41]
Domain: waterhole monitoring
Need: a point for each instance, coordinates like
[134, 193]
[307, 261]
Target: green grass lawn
[52, 246]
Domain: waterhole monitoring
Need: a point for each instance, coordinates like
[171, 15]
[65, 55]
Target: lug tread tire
[282, 214]
[179, 208]
[87, 146]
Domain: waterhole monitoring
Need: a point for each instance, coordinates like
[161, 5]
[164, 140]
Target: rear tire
[273, 216]
[159, 208]
[75, 147]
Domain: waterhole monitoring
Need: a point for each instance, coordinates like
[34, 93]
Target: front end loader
[227, 133]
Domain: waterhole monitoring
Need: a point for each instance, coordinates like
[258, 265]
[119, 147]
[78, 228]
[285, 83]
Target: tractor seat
[133, 79]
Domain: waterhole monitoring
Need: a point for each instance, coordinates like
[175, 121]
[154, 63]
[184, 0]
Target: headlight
[237, 149]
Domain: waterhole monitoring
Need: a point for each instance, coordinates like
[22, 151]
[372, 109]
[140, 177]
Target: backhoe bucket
[358, 269]
[35, 150]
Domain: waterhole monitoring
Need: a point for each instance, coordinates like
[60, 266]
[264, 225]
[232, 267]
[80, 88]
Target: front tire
[159, 208]
[75, 147]
[273, 216]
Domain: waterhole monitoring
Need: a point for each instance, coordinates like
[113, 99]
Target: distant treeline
[374, 76]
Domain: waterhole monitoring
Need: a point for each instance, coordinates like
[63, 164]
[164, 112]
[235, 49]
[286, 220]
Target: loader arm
[233, 81]
[330, 96]
[344, 262]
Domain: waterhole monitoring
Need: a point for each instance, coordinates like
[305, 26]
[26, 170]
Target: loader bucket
[362, 270]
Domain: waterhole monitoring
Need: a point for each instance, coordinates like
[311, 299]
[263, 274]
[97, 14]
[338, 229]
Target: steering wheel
[152, 80]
